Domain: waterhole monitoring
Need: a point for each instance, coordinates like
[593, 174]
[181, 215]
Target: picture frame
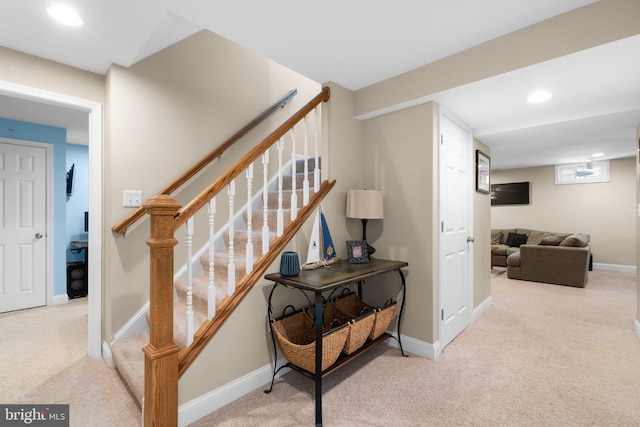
[357, 251]
[483, 172]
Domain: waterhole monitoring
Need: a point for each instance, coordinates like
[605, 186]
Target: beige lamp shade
[365, 204]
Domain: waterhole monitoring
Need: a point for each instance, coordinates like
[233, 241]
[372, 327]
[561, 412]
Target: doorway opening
[94, 118]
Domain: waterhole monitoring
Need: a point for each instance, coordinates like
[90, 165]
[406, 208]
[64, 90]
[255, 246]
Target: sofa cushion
[514, 259]
[577, 240]
[496, 237]
[551, 240]
[515, 239]
[536, 236]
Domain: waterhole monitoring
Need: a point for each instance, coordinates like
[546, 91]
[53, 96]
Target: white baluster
[232, 265]
[249, 248]
[190, 327]
[265, 203]
[305, 181]
[280, 225]
[316, 170]
[212, 249]
[294, 195]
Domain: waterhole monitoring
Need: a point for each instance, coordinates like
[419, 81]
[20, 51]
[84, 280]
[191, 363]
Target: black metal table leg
[318, 373]
[401, 312]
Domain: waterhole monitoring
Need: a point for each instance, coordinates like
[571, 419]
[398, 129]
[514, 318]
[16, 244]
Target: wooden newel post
[161, 354]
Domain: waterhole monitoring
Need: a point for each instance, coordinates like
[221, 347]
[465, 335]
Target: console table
[326, 279]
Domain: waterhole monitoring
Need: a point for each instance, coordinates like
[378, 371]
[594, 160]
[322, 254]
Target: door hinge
[442, 226]
[441, 139]
[442, 313]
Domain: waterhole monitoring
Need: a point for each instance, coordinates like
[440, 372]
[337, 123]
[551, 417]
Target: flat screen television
[515, 193]
[70, 180]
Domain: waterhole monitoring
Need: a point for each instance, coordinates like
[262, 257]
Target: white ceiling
[596, 103]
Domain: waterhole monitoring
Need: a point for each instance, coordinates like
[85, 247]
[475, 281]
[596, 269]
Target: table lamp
[365, 205]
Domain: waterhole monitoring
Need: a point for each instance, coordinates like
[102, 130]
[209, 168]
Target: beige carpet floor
[541, 355]
[43, 354]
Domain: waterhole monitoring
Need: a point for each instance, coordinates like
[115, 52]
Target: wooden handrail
[189, 354]
[219, 184]
[123, 225]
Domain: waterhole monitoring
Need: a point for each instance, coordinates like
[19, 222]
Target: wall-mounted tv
[70, 180]
[515, 193]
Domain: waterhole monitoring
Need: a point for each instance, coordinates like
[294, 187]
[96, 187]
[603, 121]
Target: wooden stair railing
[165, 362]
[134, 216]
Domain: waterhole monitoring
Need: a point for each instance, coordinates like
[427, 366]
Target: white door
[456, 219]
[22, 226]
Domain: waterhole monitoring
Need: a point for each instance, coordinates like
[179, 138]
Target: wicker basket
[355, 307]
[295, 335]
[359, 326]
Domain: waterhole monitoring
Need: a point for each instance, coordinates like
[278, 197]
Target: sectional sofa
[543, 256]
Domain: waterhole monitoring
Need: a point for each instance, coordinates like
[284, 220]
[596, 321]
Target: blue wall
[58, 138]
[78, 202]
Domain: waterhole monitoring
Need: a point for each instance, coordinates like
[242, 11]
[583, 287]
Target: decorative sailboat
[321, 250]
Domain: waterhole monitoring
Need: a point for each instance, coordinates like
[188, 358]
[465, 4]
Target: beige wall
[601, 22]
[27, 70]
[638, 230]
[606, 211]
[163, 114]
[400, 160]
[482, 234]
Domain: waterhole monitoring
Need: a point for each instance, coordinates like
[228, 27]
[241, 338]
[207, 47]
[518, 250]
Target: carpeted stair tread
[127, 352]
[129, 358]
[180, 323]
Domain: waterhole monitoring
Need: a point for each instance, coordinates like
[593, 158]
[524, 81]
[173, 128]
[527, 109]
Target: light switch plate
[131, 198]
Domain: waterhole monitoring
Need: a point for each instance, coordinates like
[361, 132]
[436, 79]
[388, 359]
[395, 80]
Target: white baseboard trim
[615, 267]
[481, 308]
[417, 347]
[202, 406]
[107, 355]
[137, 324]
[60, 299]
[636, 327]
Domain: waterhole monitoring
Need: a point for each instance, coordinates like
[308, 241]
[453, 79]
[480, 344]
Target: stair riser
[287, 180]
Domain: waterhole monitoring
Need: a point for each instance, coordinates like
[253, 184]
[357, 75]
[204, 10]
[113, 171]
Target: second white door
[456, 219]
[23, 234]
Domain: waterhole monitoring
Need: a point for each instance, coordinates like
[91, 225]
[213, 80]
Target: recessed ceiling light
[539, 96]
[597, 155]
[65, 14]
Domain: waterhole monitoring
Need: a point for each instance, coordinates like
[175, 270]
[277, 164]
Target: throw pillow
[515, 240]
[496, 237]
[577, 240]
[551, 240]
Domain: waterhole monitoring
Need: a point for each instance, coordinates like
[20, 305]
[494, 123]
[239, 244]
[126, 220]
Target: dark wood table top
[338, 274]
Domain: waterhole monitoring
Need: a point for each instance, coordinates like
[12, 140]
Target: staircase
[153, 363]
[127, 352]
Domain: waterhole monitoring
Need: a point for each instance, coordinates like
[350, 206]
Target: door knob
[470, 239]
[39, 236]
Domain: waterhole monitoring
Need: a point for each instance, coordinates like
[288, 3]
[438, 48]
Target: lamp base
[370, 249]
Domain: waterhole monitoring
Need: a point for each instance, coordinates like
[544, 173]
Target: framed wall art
[483, 172]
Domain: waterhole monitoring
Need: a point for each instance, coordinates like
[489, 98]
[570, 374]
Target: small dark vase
[289, 264]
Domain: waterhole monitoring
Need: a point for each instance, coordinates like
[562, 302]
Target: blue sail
[329, 250]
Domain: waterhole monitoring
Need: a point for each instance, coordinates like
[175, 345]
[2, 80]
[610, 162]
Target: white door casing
[455, 278]
[94, 111]
[24, 171]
